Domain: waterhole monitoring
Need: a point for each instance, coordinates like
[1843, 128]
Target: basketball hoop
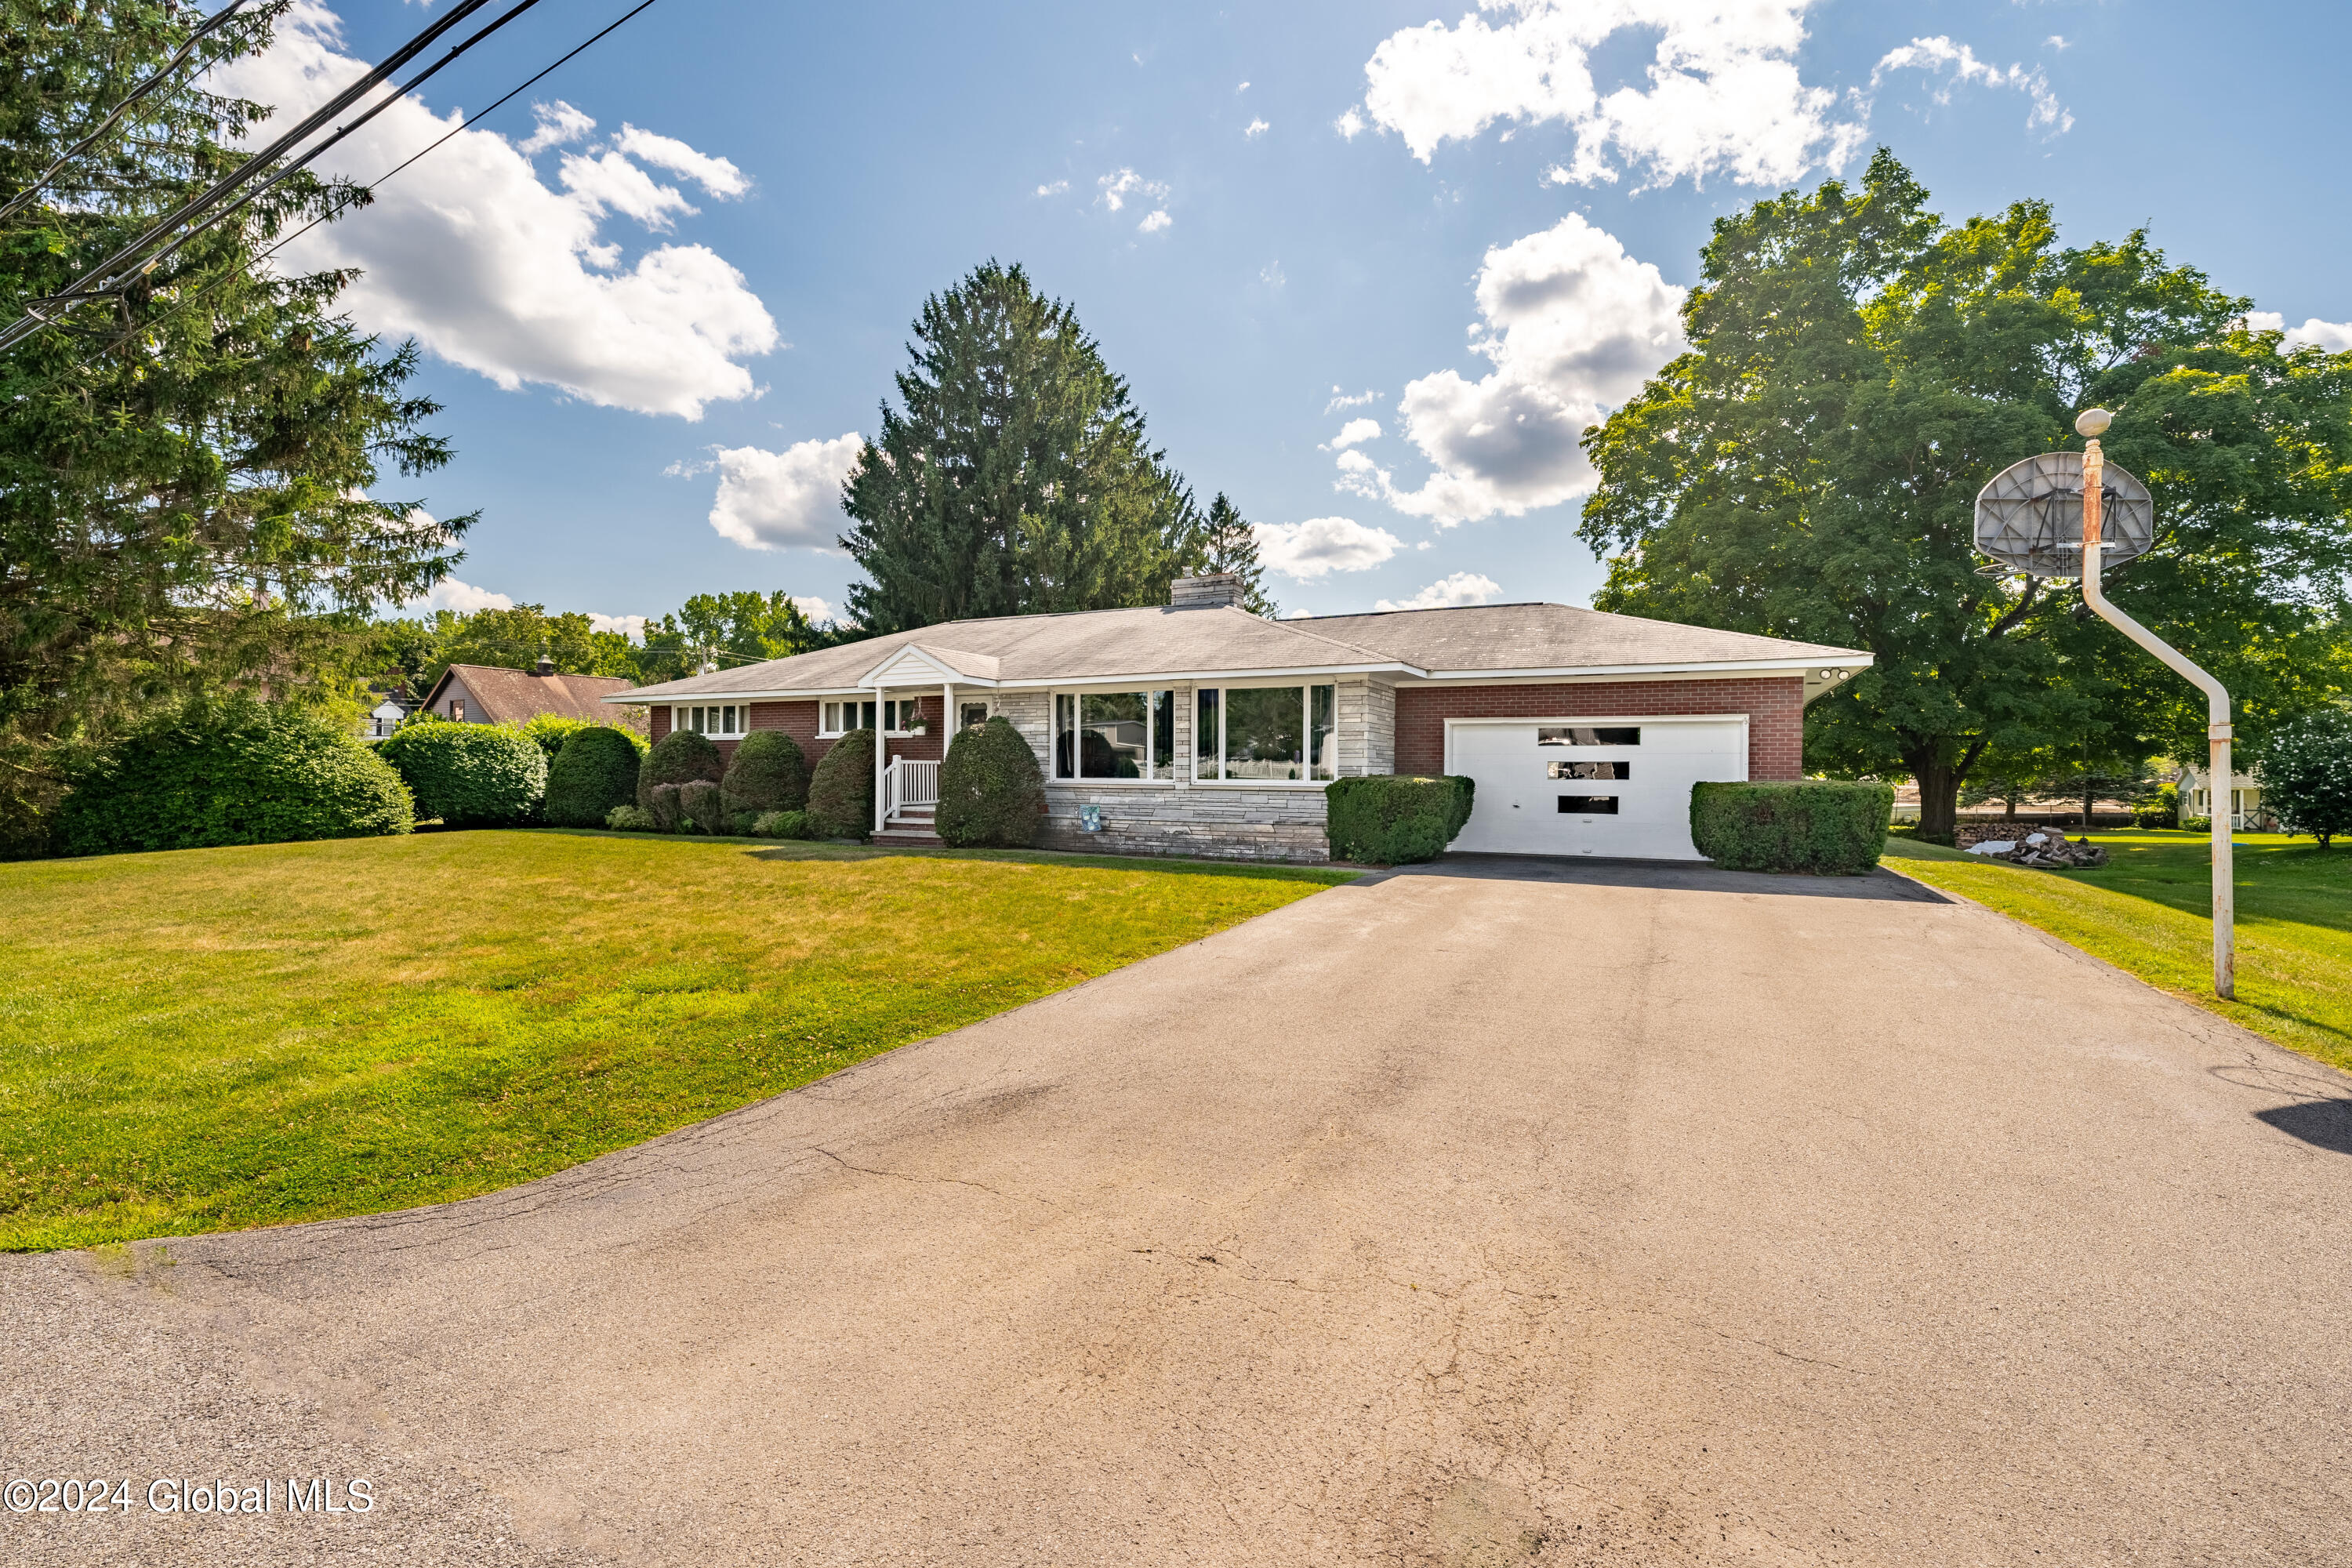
[2029, 518]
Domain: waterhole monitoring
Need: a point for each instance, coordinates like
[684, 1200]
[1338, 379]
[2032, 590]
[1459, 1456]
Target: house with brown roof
[1197, 728]
[489, 694]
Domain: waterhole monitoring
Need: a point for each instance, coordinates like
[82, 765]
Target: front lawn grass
[217, 1039]
[2148, 911]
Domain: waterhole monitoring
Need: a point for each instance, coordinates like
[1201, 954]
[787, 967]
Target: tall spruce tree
[1228, 543]
[184, 464]
[1016, 477]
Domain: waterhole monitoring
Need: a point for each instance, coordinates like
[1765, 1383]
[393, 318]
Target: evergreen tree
[1230, 544]
[1016, 477]
[186, 463]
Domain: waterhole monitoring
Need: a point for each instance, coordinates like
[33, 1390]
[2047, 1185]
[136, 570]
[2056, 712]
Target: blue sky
[688, 309]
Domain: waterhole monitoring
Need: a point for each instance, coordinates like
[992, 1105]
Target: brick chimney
[1205, 593]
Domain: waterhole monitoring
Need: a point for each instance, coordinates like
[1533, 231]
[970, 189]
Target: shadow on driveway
[1683, 875]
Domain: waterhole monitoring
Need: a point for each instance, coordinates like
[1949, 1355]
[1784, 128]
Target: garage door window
[1589, 770]
[1566, 735]
[1587, 806]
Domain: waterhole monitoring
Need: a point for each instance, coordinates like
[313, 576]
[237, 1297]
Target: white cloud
[716, 175]
[1256, 128]
[2336, 337]
[1341, 400]
[494, 271]
[1271, 275]
[1350, 124]
[558, 123]
[1448, 592]
[2058, 41]
[1156, 222]
[1722, 95]
[1323, 545]
[815, 608]
[1941, 54]
[465, 598]
[1119, 185]
[1244, 88]
[768, 500]
[627, 625]
[1573, 326]
[1353, 432]
[1055, 189]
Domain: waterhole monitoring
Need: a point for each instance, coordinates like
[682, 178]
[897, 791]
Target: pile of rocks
[2043, 851]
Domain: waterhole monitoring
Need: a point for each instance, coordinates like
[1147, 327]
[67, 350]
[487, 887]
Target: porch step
[905, 832]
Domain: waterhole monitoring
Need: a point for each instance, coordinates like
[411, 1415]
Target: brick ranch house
[1200, 729]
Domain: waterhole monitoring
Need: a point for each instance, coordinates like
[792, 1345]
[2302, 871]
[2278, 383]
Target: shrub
[550, 731]
[784, 824]
[2306, 767]
[595, 770]
[1394, 819]
[1835, 829]
[232, 770]
[767, 773]
[630, 819]
[992, 791]
[679, 757]
[2197, 825]
[469, 776]
[2161, 810]
[701, 807]
[841, 792]
[663, 809]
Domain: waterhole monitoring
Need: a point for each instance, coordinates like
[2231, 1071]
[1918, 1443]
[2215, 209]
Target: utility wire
[179, 58]
[34, 321]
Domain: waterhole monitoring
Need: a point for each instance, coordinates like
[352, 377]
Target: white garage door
[1590, 786]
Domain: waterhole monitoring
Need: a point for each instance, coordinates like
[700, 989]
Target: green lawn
[219, 1038]
[2147, 910]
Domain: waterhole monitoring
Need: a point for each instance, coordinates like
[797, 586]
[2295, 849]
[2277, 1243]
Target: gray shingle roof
[1105, 645]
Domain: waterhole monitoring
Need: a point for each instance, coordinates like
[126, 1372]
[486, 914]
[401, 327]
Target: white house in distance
[1197, 728]
[2196, 788]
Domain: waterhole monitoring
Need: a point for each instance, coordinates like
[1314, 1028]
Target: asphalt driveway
[1488, 1214]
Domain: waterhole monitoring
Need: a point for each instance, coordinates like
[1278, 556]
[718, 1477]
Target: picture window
[1114, 734]
[1266, 735]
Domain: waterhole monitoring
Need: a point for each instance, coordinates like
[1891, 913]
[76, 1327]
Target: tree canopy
[187, 465]
[1016, 477]
[1228, 543]
[1858, 368]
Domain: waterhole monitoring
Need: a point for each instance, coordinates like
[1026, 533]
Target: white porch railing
[909, 781]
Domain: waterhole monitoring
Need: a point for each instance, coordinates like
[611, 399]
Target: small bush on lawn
[1834, 829]
[232, 772]
[701, 807]
[992, 791]
[2306, 767]
[784, 824]
[841, 792]
[2197, 825]
[469, 776]
[679, 757]
[1394, 820]
[595, 770]
[767, 773]
[2162, 811]
[630, 819]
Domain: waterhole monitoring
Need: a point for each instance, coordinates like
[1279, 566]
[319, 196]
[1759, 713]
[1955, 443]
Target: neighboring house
[386, 715]
[487, 694]
[1200, 729]
[2245, 796]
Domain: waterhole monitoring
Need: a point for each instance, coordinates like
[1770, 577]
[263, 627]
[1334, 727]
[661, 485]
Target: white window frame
[679, 718]
[888, 710]
[1179, 770]
[1305, 689]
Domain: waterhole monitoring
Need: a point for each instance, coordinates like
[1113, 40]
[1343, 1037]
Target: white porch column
[947, 725]
[880, 746]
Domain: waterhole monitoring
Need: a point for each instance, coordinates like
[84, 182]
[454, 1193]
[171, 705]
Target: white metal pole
[880, 746]
[2217, 707]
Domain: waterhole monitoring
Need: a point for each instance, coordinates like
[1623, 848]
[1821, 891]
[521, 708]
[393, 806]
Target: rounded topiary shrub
[469, 776]
[701, 807]
[1394, 820]
[595, 770]
[232, 772]
[679, 757]
[992, 791]
[1831, 829]
[767, 773]
[841, 791]
[663, 810]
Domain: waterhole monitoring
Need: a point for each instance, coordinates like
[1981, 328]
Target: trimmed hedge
[469, 776]
[1394, 819]
[1831, 829]
[784, 824]
[232, 770]
[767, 773]
[595, 770]
[841, 792]
[679, 757]
[992, 791]
[551, 731]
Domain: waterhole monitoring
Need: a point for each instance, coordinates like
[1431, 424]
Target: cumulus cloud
[1256, 128]
[768, 500]
[627, 625]
[1055, 189]
[1572, 326]
[491, 268]
[1350, 124]
[815, 608]
[1121, 183]
[1342, 400]
[1155, 222]
[465, 598]
[720, 178]
[1722, 93]
[1354, 432]
[1322, 545]
[1942, 55]
[1448, 592]
[2336, 337]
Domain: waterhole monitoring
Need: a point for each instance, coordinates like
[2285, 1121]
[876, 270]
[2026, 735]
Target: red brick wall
[798, 720]
[1775, 710]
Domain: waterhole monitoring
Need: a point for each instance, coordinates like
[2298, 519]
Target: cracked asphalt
[1486, 1213]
